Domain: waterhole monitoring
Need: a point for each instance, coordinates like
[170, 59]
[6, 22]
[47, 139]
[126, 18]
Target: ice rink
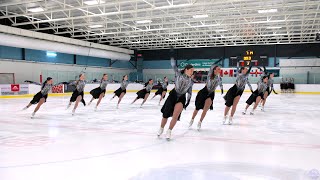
[118, 144]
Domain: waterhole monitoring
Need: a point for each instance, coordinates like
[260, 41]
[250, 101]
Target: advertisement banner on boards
[197, 63]
[14, 89]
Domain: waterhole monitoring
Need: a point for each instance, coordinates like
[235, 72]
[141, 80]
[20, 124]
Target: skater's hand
[185, 107]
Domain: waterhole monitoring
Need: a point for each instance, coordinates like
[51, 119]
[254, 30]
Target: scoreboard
[249, 59]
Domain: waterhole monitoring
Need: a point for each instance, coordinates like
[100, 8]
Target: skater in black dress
[177, 100]
[122, 90]
[205, 96]
[41, 97]
[77, 94]
[257, 95]
[145, 92]
[233, 95]
[269, 87]
[99, 92]
[162, 91]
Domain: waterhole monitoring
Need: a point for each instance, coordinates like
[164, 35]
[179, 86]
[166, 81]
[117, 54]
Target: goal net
[7, 78]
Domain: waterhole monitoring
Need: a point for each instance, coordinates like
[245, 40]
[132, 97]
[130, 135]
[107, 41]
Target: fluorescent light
[143, 21]
[51, 54]
[175, 33]
[267, 11]
[274, 27]
[221, 30]
[96, 26]
[268, 21]
[37, 9]
[200, 16]
[93, 2]
[173, 6]
[206, 25]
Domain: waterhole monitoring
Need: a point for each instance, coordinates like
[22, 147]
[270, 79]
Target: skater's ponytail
[264, 77]
[187, 67]
[102, 77]
[213, 75]
[164, 80]
[241, 69]
[124, 77]
[146, 84]
[79, 79]
[45, 82]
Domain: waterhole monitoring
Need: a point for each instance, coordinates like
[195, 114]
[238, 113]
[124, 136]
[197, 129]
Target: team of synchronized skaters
[179, 97]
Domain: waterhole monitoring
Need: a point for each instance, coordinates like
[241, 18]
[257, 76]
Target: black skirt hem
[168, 107]
[97, 92]
[36, 98]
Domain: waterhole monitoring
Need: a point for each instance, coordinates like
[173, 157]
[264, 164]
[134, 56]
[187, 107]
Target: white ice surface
[281, 143]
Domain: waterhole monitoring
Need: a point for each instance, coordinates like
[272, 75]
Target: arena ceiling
[159, 24]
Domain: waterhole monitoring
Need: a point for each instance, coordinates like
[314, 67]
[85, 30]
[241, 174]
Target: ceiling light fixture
[200, 16]
[207, 25]
[96, 26]
[93, 2]
[143, 21]
[264, 11]
[274, 27]
[175, 33]
[221, 30]
[37, 9]
[174, 6]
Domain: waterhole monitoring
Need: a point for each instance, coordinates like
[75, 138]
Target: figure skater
[145, 92]
[257, 95]
[235, 92]
[99, 92]
[77, 94]
[205, 96]
[162, 91]
[41, 97]
[122, 89]
[269, 88]
[176, 100]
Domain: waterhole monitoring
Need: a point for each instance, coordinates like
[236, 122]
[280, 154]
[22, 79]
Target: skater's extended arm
[249, 85]
[174, 66]
[210, 71]
[274, 91]
[249, 70]
[220, 84]
[73, 83]
[32, 82]
[189, 97]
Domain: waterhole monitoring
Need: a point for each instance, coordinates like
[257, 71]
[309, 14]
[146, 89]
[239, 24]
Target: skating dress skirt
[202, 96]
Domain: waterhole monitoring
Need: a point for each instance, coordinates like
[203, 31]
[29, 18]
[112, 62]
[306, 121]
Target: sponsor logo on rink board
[14, 89]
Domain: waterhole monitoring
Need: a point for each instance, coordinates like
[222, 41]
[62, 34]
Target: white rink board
[281, 143]
[304, 88]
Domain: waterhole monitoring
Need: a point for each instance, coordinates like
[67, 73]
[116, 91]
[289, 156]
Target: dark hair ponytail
[123, 77]
[102, 77]
[45, 82]
[187, 67]
[241, 69]
[146, 84]
[213, 75]
[264, 77]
